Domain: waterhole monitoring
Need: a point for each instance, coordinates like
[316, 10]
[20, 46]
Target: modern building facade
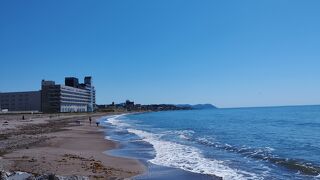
[70, 97]
[20, 101]
[53, 98]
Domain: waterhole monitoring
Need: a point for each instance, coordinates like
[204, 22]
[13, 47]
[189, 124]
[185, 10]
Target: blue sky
[229, 53]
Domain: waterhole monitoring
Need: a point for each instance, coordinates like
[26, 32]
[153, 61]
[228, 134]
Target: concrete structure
[71, 97]
[20, 101]
[72, 82]
[53, 98]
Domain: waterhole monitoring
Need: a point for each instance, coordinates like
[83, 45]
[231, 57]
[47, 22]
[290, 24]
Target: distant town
[73, 96]
[131, 106]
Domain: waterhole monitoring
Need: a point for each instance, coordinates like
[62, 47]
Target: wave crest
[188, 158]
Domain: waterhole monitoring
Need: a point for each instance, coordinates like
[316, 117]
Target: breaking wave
[172, 154]
[265, 154]
[188, 158]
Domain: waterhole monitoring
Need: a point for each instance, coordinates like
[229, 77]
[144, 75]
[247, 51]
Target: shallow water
[246, 143]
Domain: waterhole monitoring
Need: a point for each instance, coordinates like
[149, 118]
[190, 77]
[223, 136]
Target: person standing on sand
[90, 120]
[97, 123]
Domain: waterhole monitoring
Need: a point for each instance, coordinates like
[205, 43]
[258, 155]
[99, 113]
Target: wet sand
[61, 146]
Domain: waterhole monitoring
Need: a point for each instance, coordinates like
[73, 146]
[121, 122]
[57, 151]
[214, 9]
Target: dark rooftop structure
[72, 82]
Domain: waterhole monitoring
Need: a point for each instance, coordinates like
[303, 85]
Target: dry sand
[59, 145]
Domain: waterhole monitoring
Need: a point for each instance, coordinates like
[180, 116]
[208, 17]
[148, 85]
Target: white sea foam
[269, 149]
[176, 155]
[188, 158]
[185, 134]
[115, 121]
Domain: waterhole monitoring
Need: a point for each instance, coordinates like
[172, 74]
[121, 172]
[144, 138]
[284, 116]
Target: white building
[71, 97]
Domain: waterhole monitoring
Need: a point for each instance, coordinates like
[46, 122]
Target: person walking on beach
[90, 120]
[97, 123]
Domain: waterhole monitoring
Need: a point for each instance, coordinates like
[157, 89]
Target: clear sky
[229, 53]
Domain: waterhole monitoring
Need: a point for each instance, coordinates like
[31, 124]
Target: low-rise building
[20, 101]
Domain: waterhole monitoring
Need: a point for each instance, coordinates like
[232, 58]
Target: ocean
[243, 143]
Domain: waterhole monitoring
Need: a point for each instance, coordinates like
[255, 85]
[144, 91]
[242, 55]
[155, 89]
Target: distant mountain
[197, 106]
[204, 106]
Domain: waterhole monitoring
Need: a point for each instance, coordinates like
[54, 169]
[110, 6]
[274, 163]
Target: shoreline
[65, 146]
[135, 146]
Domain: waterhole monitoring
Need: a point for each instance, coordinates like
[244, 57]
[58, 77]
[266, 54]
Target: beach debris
[2, 175]
[32, 160]
[15, 175]
[57, 177]
[47, 177]
[72, 156]
[72, 178]
[26, 176]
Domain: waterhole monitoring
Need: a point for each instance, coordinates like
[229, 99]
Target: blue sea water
[243, 143]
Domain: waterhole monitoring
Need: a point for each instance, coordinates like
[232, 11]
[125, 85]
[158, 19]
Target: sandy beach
[60, 144]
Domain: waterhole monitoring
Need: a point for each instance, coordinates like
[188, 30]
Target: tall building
[20, 101]
[70, 97]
